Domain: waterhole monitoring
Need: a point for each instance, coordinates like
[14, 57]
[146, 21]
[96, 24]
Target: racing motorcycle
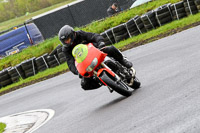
[92, 62]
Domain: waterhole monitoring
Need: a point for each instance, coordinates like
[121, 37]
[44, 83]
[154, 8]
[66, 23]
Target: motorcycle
[92, 62]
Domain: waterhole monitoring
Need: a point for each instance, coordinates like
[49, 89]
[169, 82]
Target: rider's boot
[117, 55]
[125, 62]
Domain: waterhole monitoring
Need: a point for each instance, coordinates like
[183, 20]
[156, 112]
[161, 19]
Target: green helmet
[80, 52]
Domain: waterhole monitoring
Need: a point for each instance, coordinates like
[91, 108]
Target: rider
[71, 38]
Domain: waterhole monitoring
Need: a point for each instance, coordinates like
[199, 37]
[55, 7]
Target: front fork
[111, 72]
[107, 69]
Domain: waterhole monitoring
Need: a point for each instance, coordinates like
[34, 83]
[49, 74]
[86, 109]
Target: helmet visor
[67, 40]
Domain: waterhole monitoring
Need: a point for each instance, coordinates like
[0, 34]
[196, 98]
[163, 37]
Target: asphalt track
[168, 101]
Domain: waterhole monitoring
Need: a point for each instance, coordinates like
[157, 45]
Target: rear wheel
[136, 84]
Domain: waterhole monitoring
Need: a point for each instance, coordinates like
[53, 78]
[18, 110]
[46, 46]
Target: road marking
[27, 122]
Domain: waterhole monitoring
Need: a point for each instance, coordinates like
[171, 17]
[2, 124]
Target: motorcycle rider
[71, 38]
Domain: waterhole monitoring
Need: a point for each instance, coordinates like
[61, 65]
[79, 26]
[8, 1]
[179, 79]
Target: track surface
[168, 101]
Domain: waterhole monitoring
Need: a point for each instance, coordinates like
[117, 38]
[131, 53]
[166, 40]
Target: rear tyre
[136, 84]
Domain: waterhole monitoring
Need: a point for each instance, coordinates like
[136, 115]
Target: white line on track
[27, 122]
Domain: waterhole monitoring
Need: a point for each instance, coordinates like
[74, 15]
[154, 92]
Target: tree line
[17, 8]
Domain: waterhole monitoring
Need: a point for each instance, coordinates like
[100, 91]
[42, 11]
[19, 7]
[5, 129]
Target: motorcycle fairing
[92, 53]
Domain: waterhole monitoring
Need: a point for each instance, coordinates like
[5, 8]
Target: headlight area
[92, 65]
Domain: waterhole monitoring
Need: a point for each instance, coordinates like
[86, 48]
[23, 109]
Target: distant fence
[76, 14]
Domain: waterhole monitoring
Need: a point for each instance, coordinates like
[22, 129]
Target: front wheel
[118, 86]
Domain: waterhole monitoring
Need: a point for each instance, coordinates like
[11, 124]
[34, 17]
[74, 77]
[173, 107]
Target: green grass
[20, 20]
[101, 26]
[50, 44]
[2, 127]
[161, 30]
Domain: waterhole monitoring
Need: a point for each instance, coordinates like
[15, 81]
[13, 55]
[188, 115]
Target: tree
[17, 8]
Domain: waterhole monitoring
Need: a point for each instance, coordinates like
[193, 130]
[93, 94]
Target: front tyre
[118, 86]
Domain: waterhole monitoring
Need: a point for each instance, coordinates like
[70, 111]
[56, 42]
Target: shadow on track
[114, 102]
[111, 103]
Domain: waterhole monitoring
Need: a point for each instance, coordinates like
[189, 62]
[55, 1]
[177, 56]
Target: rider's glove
[101, 45]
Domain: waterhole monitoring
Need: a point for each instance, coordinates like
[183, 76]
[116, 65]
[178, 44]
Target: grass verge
[109, 22]
[2, 127]
[166, 30]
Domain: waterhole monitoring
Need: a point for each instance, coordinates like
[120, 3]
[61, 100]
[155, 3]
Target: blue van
[14, 41]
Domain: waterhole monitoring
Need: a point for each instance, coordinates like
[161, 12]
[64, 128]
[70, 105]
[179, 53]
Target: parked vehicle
[14, 41]
[91, 62]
